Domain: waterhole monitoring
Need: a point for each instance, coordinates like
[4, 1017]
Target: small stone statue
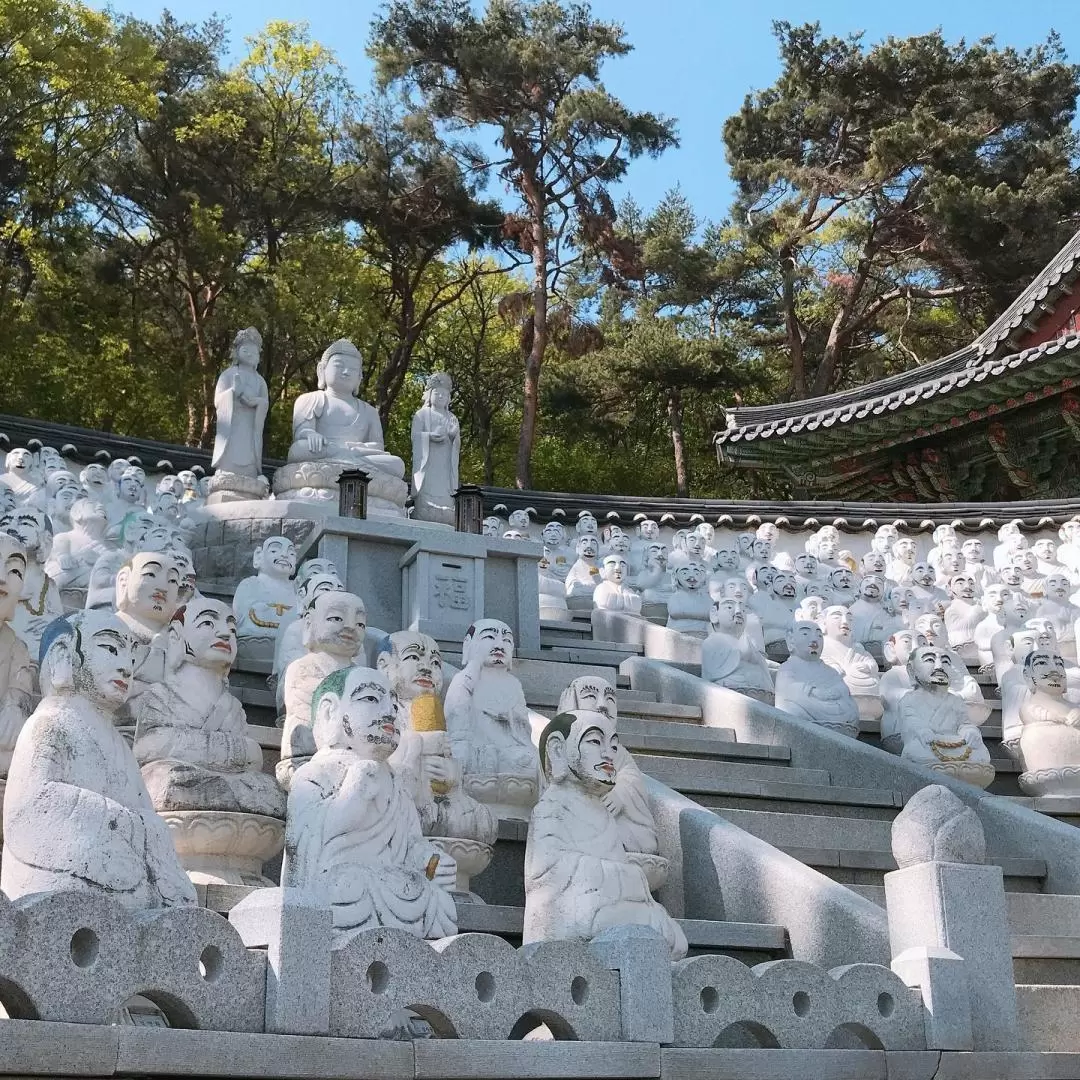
[808, 577]
[76, 812]
[352, 835]
[1050, 735]
[147, 596]
[436, 447]
[290, 640]
[841, 586]
[943, 536]
[333, 427]
[775, 607]
[462, 827]
[928, 593]
[845, 655]
[994, 599]
[586, 524]
[932, 627]
[16, 668]
[579, 879]
[1059, 609]
[263, 600]
[241, 399]
[730, 659]
[584, 575]
[654, 581]
[975, 563]
[895, 683]
[905, 555]
[334, 627]
[963, 615]
[934, 725]
[689, 604]
[20, 476]
[191, 734]
[807, 688]
[628, 800]
[74, 553]
[488, 723]
[883, 540]
[1010, 541]
[871, 623]
[40, 602]
[491, 527]
[613, 594]
[554, 540]
[129, 497]
[1016, 609]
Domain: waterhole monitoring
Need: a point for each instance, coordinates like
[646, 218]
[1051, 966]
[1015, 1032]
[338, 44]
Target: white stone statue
[932, 627]
[845, 655]
[841, 586]
[353, 839]
[825, 545]
[689, 605]
[436, 447]
[584, 575]
[871, 622]
[1010, 541]
[554, 539]
[241, 399]
[491, 527]
[333, 427]
[76, 812]
[776, 606]
[1059, 609]
[628, 800]
[263, 600]
[191, 735]
[873, 562]
[586, 524]
[951, 562]
[975, 562]
[1046, 560]
[1050, 732]
[95, 482]
[994, 598]
[20, 475]
[129, 497]
[459, 825]
[1068, 553]
[62, 491]
[488, 723]
[613, 594]
[1031, 581]
[895, 683]
[579, 878]
[654, 581]
[934, 724]
[962, 615]
[16, 667]
[923, 584]
[40, 602]
[905, 554]
[808, 575]
[1015, 611]
[807, 688]
[884, 538]
[289, 646]
[74, 553]
[943, 536]
[730, 659]
[333, 638]
[551, 589]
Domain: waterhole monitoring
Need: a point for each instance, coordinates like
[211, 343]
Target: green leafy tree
[528, 71]
[904, 175]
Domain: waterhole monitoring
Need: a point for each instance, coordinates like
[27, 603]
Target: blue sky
[694, 60]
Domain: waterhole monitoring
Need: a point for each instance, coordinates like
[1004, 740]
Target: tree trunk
[793, 328]
[530, 403]
[489, 454]
[678, 444]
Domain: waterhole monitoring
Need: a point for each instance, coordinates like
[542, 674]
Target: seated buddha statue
[332, 425]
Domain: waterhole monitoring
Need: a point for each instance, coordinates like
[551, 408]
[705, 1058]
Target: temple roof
[991, 374]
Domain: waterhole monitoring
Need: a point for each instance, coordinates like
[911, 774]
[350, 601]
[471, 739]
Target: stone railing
[75, 958]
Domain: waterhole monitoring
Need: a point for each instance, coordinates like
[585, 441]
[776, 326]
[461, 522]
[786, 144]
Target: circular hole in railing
[485, 986]
[710, 999]
[801, 1003]
[211, 963]
[579, 990]
[378, 977]
[84, 947]
[885, 1004]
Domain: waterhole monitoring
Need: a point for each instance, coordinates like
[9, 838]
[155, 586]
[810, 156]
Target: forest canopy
[466, 212]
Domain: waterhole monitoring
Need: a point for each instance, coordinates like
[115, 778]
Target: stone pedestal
[442, 590]
[226, 487]
[219, 847]
[317, 482]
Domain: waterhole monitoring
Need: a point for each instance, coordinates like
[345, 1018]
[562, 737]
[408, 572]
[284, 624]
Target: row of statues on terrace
[121, 740]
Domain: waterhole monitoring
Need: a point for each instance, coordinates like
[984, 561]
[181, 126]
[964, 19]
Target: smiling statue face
[276, 557]
[491, 527]
[149, 588]
[1012, 576]
[1045, 671]
[930, 667]
[416, 665]
[690, 577]
[336, 624]
[12, 576]
[805, 640]
[588, 547]
[591, 695]
[962, 586]
[491, 642]
[343, 373]
[783, 585]
[922, 573]
[1058, 587]
[209, 631]
[554, 535]
[871, 588]
[728, 617]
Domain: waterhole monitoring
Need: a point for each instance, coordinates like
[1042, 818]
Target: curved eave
[932, 407]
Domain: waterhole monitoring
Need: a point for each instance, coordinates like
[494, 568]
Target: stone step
[629, 705]
[547, 677]
[580, 627]
[809, 800]
[1064, 808]
[874, 893]
[692, 746]
[694, 776]
[1054, 915]
[553, 641]
[812, 834]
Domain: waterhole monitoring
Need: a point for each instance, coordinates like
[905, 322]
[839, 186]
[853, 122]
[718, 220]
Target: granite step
[703, 776]
[547, 676]
[875, 893]
[1064, 808]
[629, 703]
[696, 746]
[553, 641]
[811, 833]
[814, 801]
